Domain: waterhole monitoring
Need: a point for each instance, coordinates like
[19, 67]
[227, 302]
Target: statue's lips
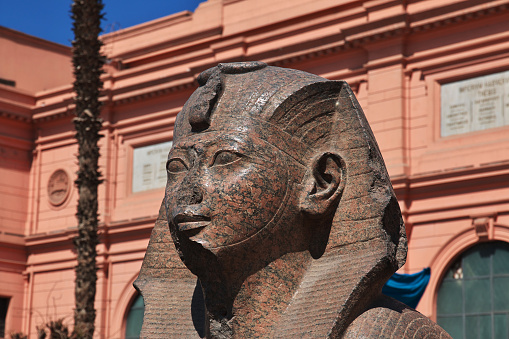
[191, 224]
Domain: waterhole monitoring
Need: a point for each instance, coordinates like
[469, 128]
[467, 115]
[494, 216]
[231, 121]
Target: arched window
[473, 298]
[135, 319]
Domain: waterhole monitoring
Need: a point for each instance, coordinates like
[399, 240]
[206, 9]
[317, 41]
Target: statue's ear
[323, 185]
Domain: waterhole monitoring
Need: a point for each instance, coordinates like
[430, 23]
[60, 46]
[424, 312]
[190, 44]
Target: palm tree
[88, 63]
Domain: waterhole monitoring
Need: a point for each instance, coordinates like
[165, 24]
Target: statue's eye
[176, 165]
[225, 157]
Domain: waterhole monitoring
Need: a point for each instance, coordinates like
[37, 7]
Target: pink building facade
[432, 78]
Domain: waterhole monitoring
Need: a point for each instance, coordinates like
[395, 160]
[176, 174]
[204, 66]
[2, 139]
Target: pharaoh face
[225, 188]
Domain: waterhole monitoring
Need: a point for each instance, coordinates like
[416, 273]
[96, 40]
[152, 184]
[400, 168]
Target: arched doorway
[473, 297]
[135, 318]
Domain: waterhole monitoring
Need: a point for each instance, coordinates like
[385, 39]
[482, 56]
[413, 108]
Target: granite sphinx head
[270, 169]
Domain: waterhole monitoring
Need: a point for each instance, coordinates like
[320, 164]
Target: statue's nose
[190, 196]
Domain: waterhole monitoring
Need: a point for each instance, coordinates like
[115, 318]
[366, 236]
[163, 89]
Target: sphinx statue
[279, 206]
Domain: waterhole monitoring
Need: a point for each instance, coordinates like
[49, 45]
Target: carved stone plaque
[475, 104]
[149, 166]
[58, 187]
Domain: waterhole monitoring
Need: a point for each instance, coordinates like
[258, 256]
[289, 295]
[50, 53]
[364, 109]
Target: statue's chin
[231, 262]
[200, 256]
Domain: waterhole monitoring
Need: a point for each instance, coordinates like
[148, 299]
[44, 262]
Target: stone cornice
[152, 89]
[122, 228]
[14, 116]
[15, 104]
[438, 181]
[53, 112]
[147, 27]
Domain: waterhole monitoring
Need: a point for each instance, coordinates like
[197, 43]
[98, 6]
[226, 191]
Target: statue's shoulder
[388, 318]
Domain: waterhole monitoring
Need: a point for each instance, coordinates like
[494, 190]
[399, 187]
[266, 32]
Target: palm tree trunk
[88, 63]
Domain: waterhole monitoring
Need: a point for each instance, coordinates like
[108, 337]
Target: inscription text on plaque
[149, 166]
[475, 104]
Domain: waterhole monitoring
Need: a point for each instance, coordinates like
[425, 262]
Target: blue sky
[50, 19]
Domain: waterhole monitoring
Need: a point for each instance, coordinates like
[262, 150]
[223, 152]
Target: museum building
[431, 76]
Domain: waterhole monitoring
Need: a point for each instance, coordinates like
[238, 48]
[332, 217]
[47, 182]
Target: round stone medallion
[58, 187]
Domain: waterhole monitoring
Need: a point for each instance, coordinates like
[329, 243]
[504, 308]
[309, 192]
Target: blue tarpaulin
[407, 288]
